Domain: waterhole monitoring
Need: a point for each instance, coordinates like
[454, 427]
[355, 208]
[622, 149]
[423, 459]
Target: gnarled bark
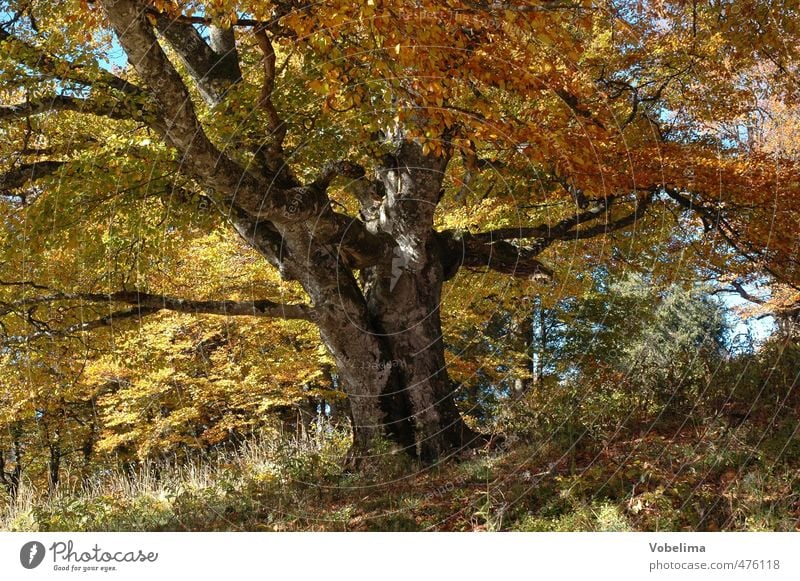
[403, 294]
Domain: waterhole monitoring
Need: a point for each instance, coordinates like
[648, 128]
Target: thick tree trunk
[54, 468]
[340, 313]
[11, 480]
[419, 403]
[87, 451]
[385, 333]
[404, 299]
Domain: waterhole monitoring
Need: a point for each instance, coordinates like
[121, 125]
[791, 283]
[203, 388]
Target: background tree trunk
[11, 480]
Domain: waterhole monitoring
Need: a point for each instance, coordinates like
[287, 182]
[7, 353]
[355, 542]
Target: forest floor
[663, 477]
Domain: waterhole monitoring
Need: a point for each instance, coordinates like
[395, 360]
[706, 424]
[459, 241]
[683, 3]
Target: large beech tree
[371, 152]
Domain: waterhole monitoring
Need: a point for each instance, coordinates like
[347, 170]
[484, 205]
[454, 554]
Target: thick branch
[147, 57]
[184, 131]
[500, 256]
[356, 246]
[82, 327]
[66, 103]
[642, 202]
[27, 173]
[272, 25]
[257, 308]
[738, 289]
[492, 249]
[23, 283]
[214, 72]
[348, 237]
[548, 232]
[342, 168]
[277, 127]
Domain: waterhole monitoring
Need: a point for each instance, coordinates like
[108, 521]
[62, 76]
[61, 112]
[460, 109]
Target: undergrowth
[720, 479]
